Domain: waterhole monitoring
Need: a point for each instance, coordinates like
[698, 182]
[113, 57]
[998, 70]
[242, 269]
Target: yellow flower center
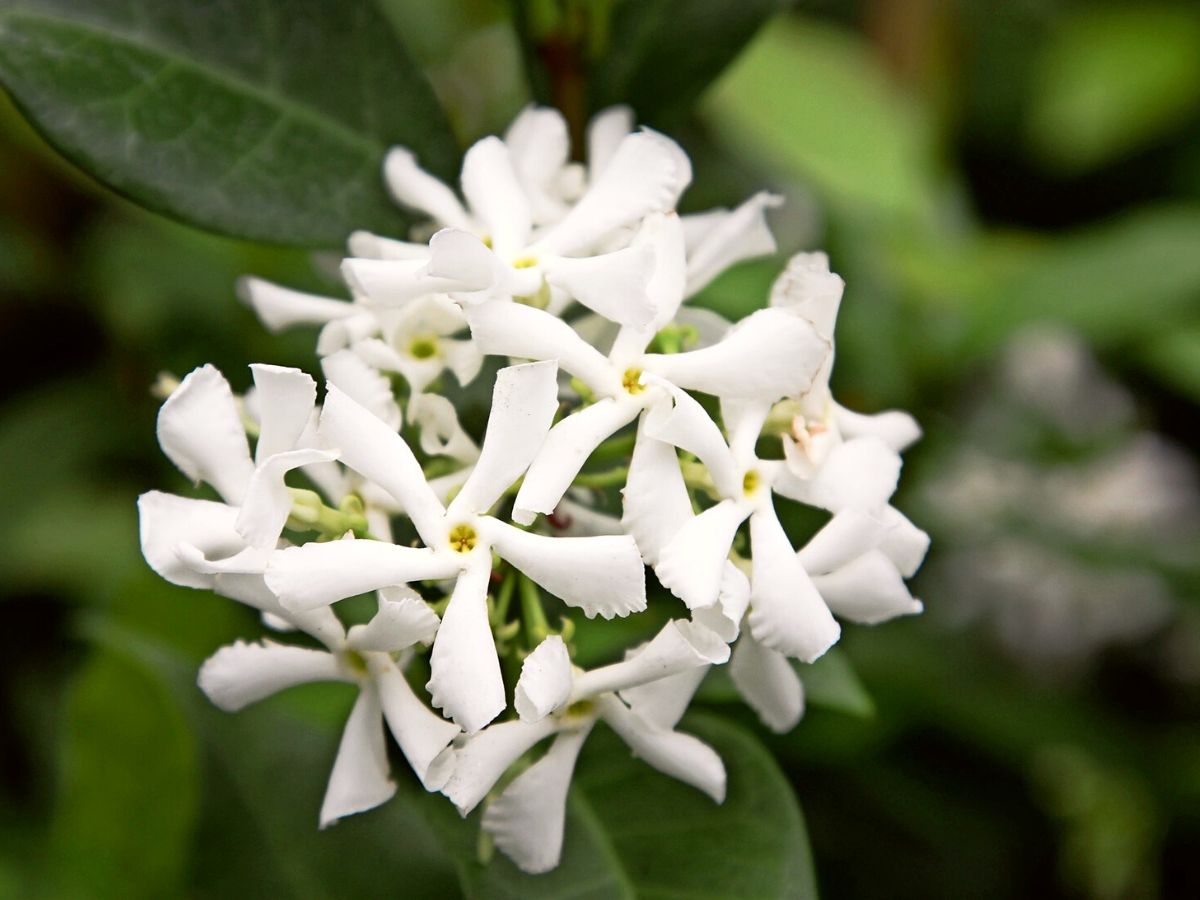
[524, 262]
[750, 482]
[424, 346]
[463, 538]
[631, 381]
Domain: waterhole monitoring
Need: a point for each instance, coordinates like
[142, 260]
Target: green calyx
[309, 513]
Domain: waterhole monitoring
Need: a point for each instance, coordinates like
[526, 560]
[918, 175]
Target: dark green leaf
[262, 119]
[832, 682]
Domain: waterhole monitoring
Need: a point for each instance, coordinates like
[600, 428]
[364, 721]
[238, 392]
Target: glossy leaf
[262, 119]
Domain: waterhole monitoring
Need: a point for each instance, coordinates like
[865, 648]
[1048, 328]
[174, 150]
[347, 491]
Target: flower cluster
[575, 277]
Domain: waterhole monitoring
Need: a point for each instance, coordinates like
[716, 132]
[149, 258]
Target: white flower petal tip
[735, 236]
[278, 307]
[480, 759]
[422, 734]
[810, 288]
[403, 619]
[415, 188]
[768, 683]
[858, 474]
[360, 779]
[367, 386]
[904, 543]
[463, 257]
[896, 428]
[613, 285]
[240, 673]
[679, 646]
[867, 590]
[724, 618]
[690, 564]
[167, 522]
[545, 682]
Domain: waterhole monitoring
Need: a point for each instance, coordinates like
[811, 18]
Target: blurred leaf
[1113, 79]
[268, 122]
[832, 682]
[812, 101]
[1175, 356]
[127, 806]
[661, 54]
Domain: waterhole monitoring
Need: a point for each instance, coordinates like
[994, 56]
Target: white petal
[770, 354]
[868, 590]
[539, 147]
[808, 287]
[605, 132]
[690, 564]
[681, 421]
[350, 373]
[279, 307]
[165, 521]
[524, 401]
[680, 645]
[545, 682]
[895, 428]
[361, 779]
[415, 188]
[201, 431]
[563, 453]
[743, 421]
[370, 447]
[374, 246]
[402, 620]
[655, 498]
[240, 674]
[647, 172]
[724, 618]
[285, 399]
[662, 703]
[394, 282]
[465, 681]
[495, 196]
[513, 329]
[786, 611]
[768, 683]
[421, 733]
[318, 574]
[268, 503]
[349, 329]
[251, 590]
[462, 358]
[601, 575]
[739, 235]
[859, 474]
[905, 544]
[663, 234]
[711, 327]
[576, 519]
[613, 284]
[484, 757]
[679, 755]
[526, 821]
[849, 534]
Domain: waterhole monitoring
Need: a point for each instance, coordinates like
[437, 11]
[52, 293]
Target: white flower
[600, 575]
[641, 699]
[240, 674]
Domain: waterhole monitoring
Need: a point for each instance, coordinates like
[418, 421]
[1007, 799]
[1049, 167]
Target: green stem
[536, 626]
[612, 478]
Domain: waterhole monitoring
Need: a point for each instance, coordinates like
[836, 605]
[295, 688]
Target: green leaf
[1176, 358]
[832, 682]
[127, 806]
[1112, 80]
[663, 53]
[812, 101]
[633, 832]
[260, 119]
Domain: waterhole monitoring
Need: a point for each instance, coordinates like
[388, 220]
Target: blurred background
[1012, 193]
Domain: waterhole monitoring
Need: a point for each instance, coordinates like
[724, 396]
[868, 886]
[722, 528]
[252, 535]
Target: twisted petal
[477, 765]
[395, 282]
[318, 574]
[662, 703]
[415, 188]
[421, 733]
[441, 433]
[724, 618]
[360, 779]
[268, 503]
[465, 681]
[655, 498]
[786, 611]
[402, 620]
[808, 287]
[545, 682]
[368, 446]
[613, 284]
[849, 534]
[526, 821]
[868, 590]
[464, 259]
[563, 453]
[286, 398]
[524, 401]
[200, 430]
[682, 422]
[895, 428]
[362, 383]
[513, 329]
[279, 307]
[166, 521]
[905, 544]
[690, 564]
[770, 354]
[768, 683]
[679, 755]
[736, 236]
[679, 646]
[858, 474]
[601, 575]
[495, 196]
[240, 674]
[605, 132]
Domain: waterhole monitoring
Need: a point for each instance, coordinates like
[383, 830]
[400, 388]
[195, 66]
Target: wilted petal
[905, 544]
[526, 821]
[362, 383]
[736, 236]
[478, 764]
[513, 329]
[613, 284]
[849, 534]
[605, 132]
[545, 682]
[682, 422]
[421, 733]
[361, 779]
[370, 447]
[524, 401]
[690, 564]
[679, 755]
[786, 612]
[415, 188]
[601, 575]
[495, 196]
[655, 498]
[465, 681]
[768, 683]
[563, 453]
[318, 574]
[201, 431]
[678, 646]
[859, 474]
[278, 307]
[240, 674]
[867, 590]
[402, 620]
[166, 521]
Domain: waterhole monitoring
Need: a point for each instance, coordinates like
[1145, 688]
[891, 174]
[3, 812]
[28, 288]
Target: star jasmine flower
[240, 674]
[601, 575]
[771, 353]
[641, 699]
